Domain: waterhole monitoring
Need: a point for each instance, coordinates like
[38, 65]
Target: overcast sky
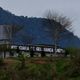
[37, 8]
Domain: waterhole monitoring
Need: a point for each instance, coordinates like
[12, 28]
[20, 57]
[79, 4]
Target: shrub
[43, 54]
[31, 52]
[72, 69]
[1, 61]
[21, 58]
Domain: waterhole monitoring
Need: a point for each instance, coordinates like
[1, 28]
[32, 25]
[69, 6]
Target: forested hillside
[34, 31]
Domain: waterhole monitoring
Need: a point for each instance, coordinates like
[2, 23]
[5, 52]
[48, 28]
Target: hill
[34, 31]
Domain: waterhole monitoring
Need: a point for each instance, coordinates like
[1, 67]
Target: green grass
[36, 69]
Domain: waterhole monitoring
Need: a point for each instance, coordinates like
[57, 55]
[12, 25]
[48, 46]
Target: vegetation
[57, 25]
[38, 68]
[42, 68]
[1, 61]
[33, 25]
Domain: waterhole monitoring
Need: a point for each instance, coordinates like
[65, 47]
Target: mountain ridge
[33, 32]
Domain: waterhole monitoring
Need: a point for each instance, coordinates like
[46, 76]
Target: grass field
[47, 68]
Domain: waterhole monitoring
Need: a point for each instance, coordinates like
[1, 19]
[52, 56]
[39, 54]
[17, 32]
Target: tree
[31, 52]
[43, 52]
[26, 39]
[57, 26]
[10, 31]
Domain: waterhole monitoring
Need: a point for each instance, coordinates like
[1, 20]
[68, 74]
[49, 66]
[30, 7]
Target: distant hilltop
[34, 31]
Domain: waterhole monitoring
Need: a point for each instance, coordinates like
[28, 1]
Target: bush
[31, 52]
[21, 58]
[72, 69]
[43, 54]
[1, 61]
